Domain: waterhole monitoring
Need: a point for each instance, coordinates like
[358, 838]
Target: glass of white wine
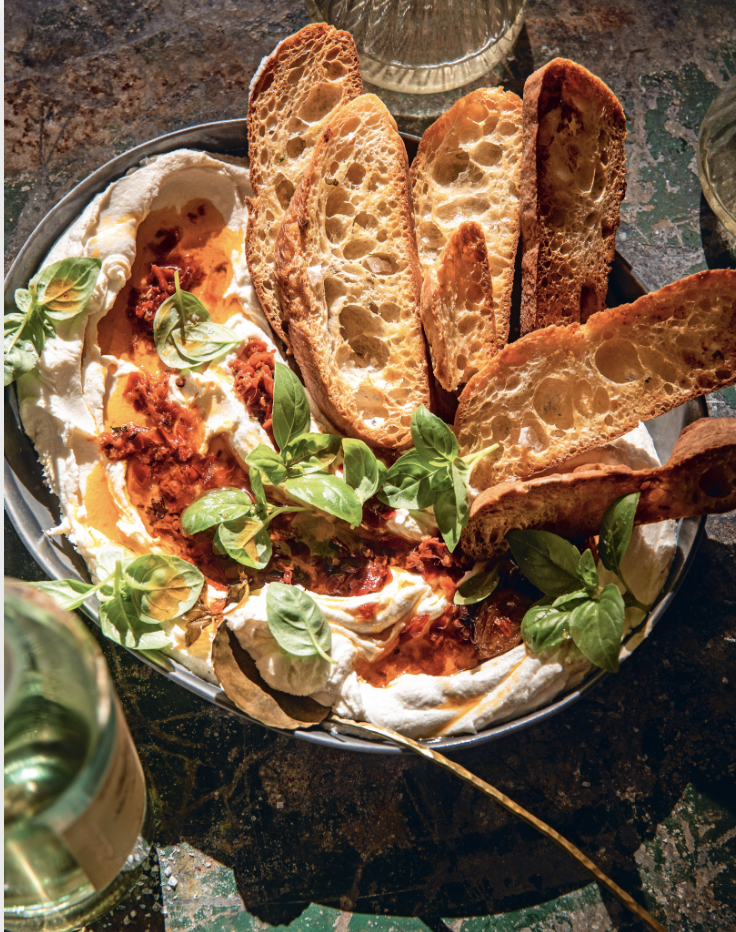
[717, 156]
[78, 825]
[425, 46]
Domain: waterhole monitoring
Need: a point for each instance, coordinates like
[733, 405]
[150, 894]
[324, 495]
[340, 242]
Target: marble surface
[256, 830]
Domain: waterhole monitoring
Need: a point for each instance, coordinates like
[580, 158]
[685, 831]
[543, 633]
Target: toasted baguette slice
[564, 390]
[573, 181]
[294, 94]
[699, 478]
[457, 308]
[467, 168]
[348, 273]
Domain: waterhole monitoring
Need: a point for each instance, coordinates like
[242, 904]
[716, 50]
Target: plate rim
[18, 509]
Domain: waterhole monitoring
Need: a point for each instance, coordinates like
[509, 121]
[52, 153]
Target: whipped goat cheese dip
[63, 405]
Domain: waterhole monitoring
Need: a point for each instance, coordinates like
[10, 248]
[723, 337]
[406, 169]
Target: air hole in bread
[334, 288]
[358, 247]
[335, 229]
[599, 183]
[355, 174]
[431, 236]
[533, 436]
[582, 397]
[608, 420]
[464, 208]
[295, 146]
[500, 428]
[553, 403]
[585, 174]
[656, 363]
[723, 375]
[507, 128]
[284, 191]
[618, 361]
[448, 168]
[366, 220]
[372, 405]
[335, 69]
[381, 264]
[321, 99]
[467, 324]
[716, 482]
[490, 123]
[588, 302]
[488, 153]
[357, 321]
[339, 203]
[607, 229]
[390, 312]
[601, 401]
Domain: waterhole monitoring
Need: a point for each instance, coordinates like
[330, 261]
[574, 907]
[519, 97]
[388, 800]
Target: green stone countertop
[257, 830]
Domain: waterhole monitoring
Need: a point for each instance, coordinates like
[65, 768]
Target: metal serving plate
[34, 510]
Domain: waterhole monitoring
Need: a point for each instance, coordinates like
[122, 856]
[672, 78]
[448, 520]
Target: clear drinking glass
[78, 827]
[717, 156]
[425, 46]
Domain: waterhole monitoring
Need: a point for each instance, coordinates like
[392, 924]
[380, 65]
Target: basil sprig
[300, 467]
[575, 606]
[433, 474]
[184, 333]
[242, 524]
[136, 595]
[57, 293]
[297, 622]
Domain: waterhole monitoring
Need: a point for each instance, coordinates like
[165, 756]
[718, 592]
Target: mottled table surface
[257, 830]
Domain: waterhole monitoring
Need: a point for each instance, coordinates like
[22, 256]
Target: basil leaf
[544, 627]
[291, 415]
[297, 623]
[432, 437]
[64, 288]
[327, 493]
[547, 561]
[119, 622]
[214, 507]
[407, 483]
[67, 593]
[588, 572]
[363, 471]
[268, 462]
[185, 335]
[256, 485]
[451, 510]
[569, 600]
[162, 586]
[615, 533]
[245, 540]
[309, 453]
[598, 627]
[24, 337]
[478, 587]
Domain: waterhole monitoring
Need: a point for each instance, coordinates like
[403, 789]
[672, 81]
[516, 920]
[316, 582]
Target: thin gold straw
[509, 804]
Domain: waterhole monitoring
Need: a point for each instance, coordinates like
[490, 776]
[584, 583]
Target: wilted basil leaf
[64, 288]
[291, 416]
[615, 533]
[597, 628]
[162, 586]
[184, 333]
[363, 471]
[245, 540]
[547, 561]
[309, 453]
[214, 507]
[297, 623]
[476, 588]
[328, 493]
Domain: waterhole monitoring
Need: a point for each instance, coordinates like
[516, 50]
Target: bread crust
[573, 179]
[467, 167]
[348, 274]
[294, 94]
[699, 478]
[561, 391]
[457, 308]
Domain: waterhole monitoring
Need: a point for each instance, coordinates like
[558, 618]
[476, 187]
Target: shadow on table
[300, 824]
